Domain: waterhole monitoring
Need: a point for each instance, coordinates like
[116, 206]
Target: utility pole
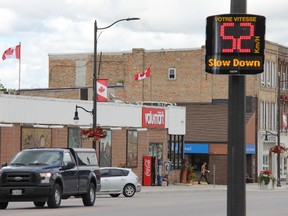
[236, 188]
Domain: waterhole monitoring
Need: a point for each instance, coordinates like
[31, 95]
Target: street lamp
[94, 110]
[76, 117]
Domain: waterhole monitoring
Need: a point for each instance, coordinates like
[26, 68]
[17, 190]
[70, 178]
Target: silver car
[116, 181]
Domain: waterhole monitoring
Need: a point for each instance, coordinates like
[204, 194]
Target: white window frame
[262, 115]
[170, 71]
[265, 164]
[268, 73]
[274, 75]
[267, 122]
[273, 116]
[263, 78]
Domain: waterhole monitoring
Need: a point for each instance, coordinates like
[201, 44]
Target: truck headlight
[45, 177]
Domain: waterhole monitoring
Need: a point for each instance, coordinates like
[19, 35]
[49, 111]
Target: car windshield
[36, 158]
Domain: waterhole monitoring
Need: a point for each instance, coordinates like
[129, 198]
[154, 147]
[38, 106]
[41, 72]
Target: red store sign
[153, 117]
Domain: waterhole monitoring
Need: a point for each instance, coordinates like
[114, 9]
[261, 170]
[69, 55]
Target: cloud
[67, 26]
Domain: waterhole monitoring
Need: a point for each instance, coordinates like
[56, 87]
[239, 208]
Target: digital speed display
[235, 44]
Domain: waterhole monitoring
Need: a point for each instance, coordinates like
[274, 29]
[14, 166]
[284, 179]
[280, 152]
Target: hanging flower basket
[277, 149]
[93, 134]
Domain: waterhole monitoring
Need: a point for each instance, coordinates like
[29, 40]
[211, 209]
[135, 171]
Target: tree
[1, 85]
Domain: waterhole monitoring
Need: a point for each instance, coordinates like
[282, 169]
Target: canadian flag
[102, 91]
[143, 75]
[12, 52]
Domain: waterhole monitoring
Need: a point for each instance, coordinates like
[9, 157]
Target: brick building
[178, 76]
[35, 122]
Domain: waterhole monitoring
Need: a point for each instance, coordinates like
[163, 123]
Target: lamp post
[278, 133]
[94, 110]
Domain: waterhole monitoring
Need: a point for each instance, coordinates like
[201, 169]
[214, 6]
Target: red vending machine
[147, 171]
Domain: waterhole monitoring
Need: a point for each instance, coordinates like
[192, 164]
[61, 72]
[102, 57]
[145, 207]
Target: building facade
[37, 122]
[178, 76]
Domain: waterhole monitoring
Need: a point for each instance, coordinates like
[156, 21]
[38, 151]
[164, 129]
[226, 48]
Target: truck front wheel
[90, 197]
[54, 200]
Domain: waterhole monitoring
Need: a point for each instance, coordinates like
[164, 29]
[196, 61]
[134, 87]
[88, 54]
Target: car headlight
[45, 177]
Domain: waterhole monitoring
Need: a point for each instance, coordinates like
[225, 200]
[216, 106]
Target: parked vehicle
[49, 175]
[116, 181]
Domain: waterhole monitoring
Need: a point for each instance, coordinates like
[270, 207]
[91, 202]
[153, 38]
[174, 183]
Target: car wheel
[114, 195]
[39, 204]
[3, 205]
[129, 190]
[89, 198]
[54, 200]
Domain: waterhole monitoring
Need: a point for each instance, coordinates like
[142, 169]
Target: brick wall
[119, 147]
[192, 84]
[9, 142]
[62, 73]
[220, 163]
[71, 94]
[59, 137]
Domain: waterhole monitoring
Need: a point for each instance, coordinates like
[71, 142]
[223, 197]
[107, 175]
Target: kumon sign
[153, 117]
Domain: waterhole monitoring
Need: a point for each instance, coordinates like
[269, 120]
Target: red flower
[277, 149]
[93, 134]
[266, 172]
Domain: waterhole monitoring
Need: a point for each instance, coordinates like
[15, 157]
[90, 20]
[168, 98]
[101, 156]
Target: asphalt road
[170, 201]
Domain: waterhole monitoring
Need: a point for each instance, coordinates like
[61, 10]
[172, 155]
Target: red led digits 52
[236, 42]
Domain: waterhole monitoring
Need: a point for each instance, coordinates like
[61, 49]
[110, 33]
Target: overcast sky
[67, 26]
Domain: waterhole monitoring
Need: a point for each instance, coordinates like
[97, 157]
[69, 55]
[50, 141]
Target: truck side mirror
[4, 164]
[69, 165]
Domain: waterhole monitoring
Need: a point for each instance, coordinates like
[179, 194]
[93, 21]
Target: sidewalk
[178, 187]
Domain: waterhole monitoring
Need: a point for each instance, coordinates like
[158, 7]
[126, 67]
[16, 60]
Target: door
[70, 176]
[105, 183]
[117, 180]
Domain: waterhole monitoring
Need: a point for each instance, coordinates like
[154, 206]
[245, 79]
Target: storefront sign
[250, 149]
[196, 148]
[153, 117]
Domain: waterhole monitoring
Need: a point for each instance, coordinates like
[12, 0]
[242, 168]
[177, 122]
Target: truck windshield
[37, 158]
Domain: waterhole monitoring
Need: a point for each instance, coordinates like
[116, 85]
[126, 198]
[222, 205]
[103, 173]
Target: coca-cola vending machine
[147, 171]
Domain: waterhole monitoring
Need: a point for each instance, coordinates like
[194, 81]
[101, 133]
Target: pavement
[177, 187]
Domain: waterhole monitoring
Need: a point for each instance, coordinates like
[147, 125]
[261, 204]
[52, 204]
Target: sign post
[235, 46]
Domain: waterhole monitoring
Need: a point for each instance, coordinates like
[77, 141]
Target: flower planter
[269, 186]
[266, 180]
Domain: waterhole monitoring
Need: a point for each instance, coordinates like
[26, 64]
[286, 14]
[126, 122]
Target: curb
[180, 187]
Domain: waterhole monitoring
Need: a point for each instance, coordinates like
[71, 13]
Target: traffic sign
[235, 44]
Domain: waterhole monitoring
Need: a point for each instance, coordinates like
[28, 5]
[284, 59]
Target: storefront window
[156, 150]
[175, 151]
[265, 165]
[74, 138]
[132, 148]
[106, 151]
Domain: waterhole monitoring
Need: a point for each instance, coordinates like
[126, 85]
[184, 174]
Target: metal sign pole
[236, 189]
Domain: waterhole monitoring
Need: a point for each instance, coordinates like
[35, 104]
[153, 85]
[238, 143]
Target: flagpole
[143, 85]
[19, 68]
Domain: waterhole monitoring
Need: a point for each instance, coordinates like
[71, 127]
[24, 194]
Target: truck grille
[19, 179]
